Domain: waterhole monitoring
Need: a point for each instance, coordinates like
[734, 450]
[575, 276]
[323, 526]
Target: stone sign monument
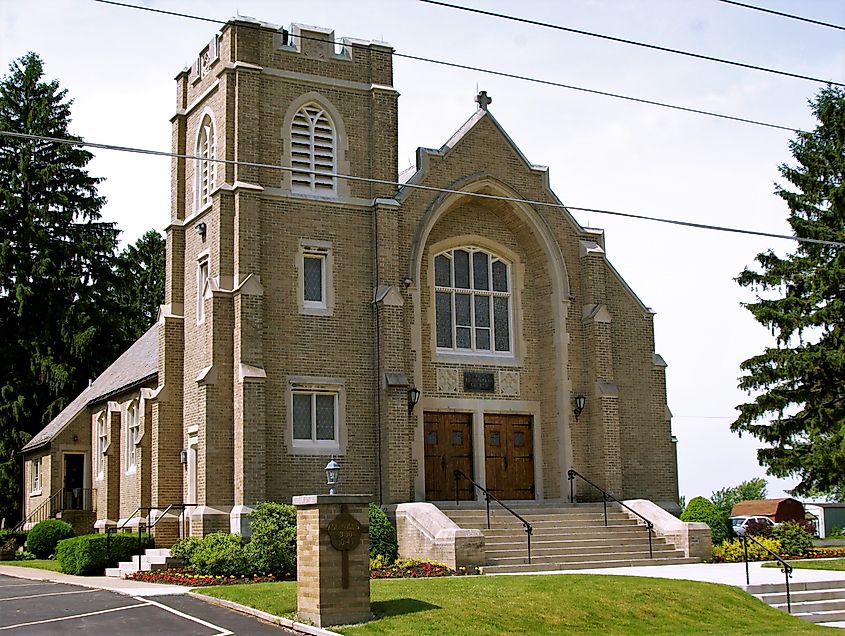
[332, 559]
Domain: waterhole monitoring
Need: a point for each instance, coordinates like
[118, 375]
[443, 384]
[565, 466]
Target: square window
[315, 419]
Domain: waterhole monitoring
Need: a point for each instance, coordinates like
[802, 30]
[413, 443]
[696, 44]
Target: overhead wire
[416, 186]
[486, 71]
[784, 15]
[655, 47]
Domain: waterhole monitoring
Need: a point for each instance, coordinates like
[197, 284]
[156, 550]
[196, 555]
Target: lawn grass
[563, 604]
[813, 564]
[41, 564]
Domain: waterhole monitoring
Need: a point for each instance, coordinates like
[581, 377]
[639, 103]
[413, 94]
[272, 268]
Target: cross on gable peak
[483, 100]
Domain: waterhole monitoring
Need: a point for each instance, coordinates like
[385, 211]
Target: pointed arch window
[313, 151]
[206, 167]
[473, 303]
[133, 432]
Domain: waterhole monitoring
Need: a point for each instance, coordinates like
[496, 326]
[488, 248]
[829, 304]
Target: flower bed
[187, 577]
[414, 568]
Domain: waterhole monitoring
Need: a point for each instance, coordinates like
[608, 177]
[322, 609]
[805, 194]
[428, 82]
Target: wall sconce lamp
[201, 229]
[413, 397]
[580, 403]
[332, 475]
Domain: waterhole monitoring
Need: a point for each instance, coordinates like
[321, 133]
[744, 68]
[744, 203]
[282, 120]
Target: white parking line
[220, 630]
[70, 618]
[29, 584]
[18, 598]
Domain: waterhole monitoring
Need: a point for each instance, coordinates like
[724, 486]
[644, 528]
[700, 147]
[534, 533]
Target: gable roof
[137, 365]
[761, 507]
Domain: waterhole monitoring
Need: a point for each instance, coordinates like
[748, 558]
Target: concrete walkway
[122, 586]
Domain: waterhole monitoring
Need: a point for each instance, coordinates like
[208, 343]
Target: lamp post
[332, 475]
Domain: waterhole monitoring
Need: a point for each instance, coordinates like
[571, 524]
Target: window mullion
[314, 417]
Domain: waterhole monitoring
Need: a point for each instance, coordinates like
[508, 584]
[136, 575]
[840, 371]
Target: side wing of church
[305, 312]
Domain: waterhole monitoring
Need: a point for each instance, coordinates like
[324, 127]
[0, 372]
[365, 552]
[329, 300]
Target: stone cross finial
[483, 100]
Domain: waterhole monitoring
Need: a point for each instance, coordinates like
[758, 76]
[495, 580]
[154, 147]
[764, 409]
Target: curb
[264, 616]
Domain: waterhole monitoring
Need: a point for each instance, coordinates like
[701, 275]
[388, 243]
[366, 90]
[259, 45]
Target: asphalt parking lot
[43, 607]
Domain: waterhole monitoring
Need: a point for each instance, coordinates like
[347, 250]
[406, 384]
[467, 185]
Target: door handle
[506, 462]
[443, 462]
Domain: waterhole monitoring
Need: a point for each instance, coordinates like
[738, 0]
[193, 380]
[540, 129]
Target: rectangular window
[315, 418]
[133, 431]
[202, 286]
[102, 441]
[35, 476]
[314, 266]
[314, 280]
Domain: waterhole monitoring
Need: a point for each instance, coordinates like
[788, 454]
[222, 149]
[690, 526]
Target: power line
[611, 38]
[486, 71]
[417, 186]
[785, 15]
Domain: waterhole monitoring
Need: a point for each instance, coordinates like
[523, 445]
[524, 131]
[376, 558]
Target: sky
[118, 66]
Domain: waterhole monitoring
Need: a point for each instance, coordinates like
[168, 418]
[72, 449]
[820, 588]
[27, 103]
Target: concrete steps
[816, 601]
[152, 559]
[565, 537]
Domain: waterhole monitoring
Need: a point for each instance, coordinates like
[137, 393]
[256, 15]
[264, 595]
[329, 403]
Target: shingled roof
[139, 363]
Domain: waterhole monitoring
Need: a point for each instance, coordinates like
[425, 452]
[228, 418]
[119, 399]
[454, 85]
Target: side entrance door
[74, 480]
[448, 447]
[509, 456]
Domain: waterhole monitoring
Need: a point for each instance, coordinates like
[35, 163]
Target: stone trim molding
[425, 532]
[692, 538]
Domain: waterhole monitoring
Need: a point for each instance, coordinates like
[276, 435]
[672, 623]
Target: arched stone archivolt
[534, 251]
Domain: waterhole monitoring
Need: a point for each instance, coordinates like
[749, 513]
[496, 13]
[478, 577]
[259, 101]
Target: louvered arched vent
[205, 169]
[312, 151]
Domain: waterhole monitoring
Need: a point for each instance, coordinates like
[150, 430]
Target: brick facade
[232, 350]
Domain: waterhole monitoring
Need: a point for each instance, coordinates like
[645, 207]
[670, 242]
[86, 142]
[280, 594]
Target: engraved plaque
[344, 532]
[481, 381]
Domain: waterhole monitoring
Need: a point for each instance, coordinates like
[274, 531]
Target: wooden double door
[508, 455]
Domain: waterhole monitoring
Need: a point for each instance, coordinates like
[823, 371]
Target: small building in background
[830, 517]
[778, 510]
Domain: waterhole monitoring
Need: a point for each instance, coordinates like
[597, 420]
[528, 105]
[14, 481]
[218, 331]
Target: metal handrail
[149, 525]
[784, 566]
[488, 496]
[572, 474]
[56, 503]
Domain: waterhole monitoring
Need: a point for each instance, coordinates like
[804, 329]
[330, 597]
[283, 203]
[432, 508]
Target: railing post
[745, 549]
[571, 476]
[139, 542]
[787, 571]
[487, 499]
[650, 549]
[604, 497]
[528, 531]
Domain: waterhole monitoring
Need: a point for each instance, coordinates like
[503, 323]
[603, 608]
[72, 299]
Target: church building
[319, 305]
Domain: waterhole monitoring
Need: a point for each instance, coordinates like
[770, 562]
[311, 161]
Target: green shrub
[732, 551]
[220, 554]
[184, 549]
[272, 548]
[90, 554]
[794, 538]
[45, 536]
[18, 535]
[835, 533]
[702, 510]
[382, 536]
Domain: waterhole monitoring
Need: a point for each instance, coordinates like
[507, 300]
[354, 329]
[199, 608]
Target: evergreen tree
[55, 267]
[140, 285]
[798, 408]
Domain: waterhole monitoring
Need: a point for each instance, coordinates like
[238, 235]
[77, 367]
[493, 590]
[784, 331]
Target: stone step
[584, 565]
[152, 559]
[812, 607]
[588, 531]
[570, 540]
[764, 588]
[554, 522]
[773, 598]
[521, 550]
[820, 617]
[563, 559]
[536, 514]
